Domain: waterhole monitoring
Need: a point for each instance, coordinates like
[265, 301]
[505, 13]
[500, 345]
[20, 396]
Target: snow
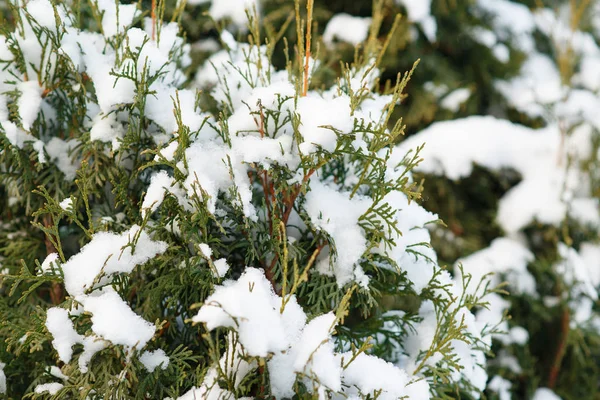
[337, 214]
[110, 91]
[205, 250]
[57, 373]
[410, 220]
[347, 28]
[115, 17]
[511, 17]
[369, 375]
[501, 52]
[233, 363]
[153, 359]
[91, 345]
[576, 272]
[106, 253]
[168, 152]
[500, 386]
[210, 390]
[421, 338]
[483, 36]
[3, 107]
[473, 363]
[195, 393]
[42, 12]
[113, 320]
[264, 151]
[66, 204]
[504, 257]
[221, 267]
[38, 62]
[247, 69]
[164, 116]
[538, 84]
[313, 347]
[48, 262]
[215, 167]
[38, 146]
[589, 73]
[505, 360]
[2, 378]
[231, 9]
[453, 100]
[64, 335]
[250, 305]
[59, 152]
[518, 335]
[209, 175]
[453, 146]
[29, 102]
[420, 11]
[590, 255]
[5, 53]
[159, 186]
[545, 394]
[15, 135]
[50, 388]
[318, 128]
[251, 308]
[106, 128]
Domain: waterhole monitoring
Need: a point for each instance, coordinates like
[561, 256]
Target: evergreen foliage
[287, 199]
[247, 241]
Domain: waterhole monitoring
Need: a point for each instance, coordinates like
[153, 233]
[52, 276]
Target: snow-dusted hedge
[542, 128]
[239, 230]
[247, 251]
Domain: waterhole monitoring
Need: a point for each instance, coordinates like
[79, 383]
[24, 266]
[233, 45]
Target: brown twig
[309, 10]
[153, 16]
[289, 202]
[164, 328]
[264, 177]
[57, 294]
[561, 348]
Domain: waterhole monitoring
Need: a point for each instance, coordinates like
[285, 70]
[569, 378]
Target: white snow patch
[221, 267]
[455, 99]
[109, 254]
[545, 394]
[51, 388]
[114, 321]
[29, 102]
[347, 28]
[153, 359]
[337, 214]
[64, 335]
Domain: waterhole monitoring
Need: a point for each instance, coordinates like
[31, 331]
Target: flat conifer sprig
[226, 230]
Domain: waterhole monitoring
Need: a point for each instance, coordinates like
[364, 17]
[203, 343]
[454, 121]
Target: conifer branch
[561, 347]
[309, 10]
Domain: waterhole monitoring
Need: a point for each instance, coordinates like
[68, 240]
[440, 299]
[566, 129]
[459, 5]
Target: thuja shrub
[257, 238]
[519, 191]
